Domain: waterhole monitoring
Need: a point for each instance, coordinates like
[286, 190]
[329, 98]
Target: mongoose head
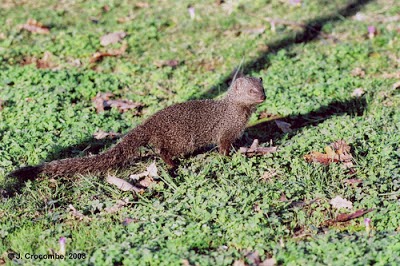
[247, 91]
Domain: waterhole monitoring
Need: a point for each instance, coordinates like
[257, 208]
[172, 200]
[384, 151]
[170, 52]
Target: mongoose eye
[253, 91]
[260, 78]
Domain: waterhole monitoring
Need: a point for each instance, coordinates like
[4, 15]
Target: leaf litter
[34, 26]
[103, 101]
[336, 152]
[254, 149]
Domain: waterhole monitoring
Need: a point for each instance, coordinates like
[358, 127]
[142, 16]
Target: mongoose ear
[236, 84]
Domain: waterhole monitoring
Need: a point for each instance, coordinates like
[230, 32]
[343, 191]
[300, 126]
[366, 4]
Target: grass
[215, 210]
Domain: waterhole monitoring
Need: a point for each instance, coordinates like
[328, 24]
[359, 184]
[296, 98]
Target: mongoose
[176, 130]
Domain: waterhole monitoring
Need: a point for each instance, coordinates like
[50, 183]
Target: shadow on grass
[312, 30]
[264, 130]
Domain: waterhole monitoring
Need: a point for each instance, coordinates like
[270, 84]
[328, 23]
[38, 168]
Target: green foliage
[214, 210]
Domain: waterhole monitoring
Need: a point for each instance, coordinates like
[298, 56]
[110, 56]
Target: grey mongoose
[176, 130]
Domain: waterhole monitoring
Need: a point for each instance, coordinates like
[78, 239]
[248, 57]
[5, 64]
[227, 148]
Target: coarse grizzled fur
[176, 130]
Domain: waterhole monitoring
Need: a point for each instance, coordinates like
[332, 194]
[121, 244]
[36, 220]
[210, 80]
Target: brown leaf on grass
[256, 207]
[239, 263]
[127, 18]
[106, 8]
[353, 181]
[256, 150]
[103, 101]
[163, 63]
[109, 135]
[98, 56]
[146, 182]
[283, 197]
[123, 105]
[284, 126]
[1, 104]
[391, 75]
[117, 206]
[185, 262]
[358, 92]
[142, 5]
[122, 184]
[268, 115]
[396, 85]
[111, 38]
[340, 203]
[358, 72]
[254, 31]
[253, 258]
[269, 174]
[128, 220]
[100, 99]
[336, 152]
[34, 26]
[148, 175]
[344, 217]
[44, 63]
[268, 262]
[77, 214]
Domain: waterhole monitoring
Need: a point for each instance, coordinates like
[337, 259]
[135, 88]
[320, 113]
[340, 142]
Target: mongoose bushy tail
[176, 130]
[116, 156]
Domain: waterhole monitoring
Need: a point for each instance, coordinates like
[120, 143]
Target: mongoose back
[176, 130]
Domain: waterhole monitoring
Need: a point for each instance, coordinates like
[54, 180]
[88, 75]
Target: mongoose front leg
[225, 146]
[167, 158]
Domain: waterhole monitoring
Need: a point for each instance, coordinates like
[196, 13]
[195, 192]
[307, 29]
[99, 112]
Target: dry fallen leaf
[269, 174]
[142, 5]
[35, 27]
[353, 181]
[253, 258]
[77, 214]
[358, 92]
[344, 217]
[284, 126]
[102, 101]
[122, 184]
[338, 152]
[127, 221]
[283, 197]
[98, 56]
[163, 63]
[44, 63]
[396, 85]
[254, 31]
[123, 105]
[128, 18]
[358, 72]
[256, 150]
[185, 262]
[146, 182]
[151, 171]
[117, 206]
[239, 263]
[102, 135]
[111, 38]
[339, 203]
[268, 262]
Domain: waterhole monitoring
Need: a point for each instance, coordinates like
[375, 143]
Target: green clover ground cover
[214, 210]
